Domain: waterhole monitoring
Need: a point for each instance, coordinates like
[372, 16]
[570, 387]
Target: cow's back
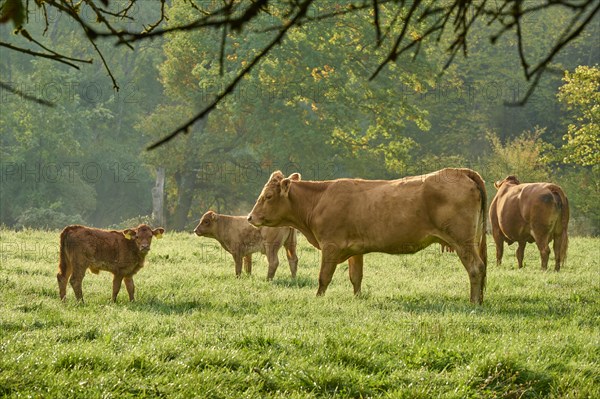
[522, 207]
[100, 249]
[395, 216]
[237, 235]
[275, 235]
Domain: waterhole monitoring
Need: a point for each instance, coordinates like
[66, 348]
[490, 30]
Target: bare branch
[376, 21]
[160, 20]
[43, 55]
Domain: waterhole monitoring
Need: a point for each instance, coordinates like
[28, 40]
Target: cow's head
[207, 224]
[142, 236]
[273, 202]
[508, 180]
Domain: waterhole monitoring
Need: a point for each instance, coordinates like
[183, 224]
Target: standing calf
[120, 252]
[241, 239]
[532, 212]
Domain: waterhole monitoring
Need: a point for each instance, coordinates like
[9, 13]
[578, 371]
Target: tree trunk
[158, 197]
[185, 190]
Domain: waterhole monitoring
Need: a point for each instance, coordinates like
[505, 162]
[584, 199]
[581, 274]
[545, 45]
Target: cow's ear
[295, 176]
[158, 232]
[497, 184]
[276, 176]
[129, 234]
[285, 187]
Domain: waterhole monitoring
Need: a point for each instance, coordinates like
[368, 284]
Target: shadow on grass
[298, 282]
[159, 306]
[508, 305]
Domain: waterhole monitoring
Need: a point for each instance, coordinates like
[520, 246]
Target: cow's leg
[355, 269]
[237, 258]
[248, 263]
[76, 280]
[557, 245]
[325, 276]
[290, 251]
[272, 259]
[130, 288]
[499, 248]
[476, 269]
[521, 253]
[544, 248]
[117, 279]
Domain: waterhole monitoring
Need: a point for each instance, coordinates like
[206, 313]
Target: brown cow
[348, 218]
[531, 212]
[241, 240]
[120, 252]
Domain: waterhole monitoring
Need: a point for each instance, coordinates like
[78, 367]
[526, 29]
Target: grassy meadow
[197, 331]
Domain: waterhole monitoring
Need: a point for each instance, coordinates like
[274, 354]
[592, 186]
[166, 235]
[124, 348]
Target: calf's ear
[129, 234]
[285, 187]
[295, 176]
[158, 232]
[497, 184]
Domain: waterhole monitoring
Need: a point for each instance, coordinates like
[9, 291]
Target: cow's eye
[205, 222]
[268, 196]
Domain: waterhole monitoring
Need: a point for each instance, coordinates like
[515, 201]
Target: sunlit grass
[197, 331]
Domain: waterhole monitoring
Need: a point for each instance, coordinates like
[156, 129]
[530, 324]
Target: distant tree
[525, 156]
[581, 94]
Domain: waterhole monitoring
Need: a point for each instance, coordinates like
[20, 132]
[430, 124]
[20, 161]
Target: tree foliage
[413, 24]
[581, 94]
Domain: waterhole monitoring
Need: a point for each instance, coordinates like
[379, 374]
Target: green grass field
[197, 331]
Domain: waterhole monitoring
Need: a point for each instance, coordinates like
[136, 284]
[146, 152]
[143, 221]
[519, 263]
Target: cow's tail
[476, 178]
[62, 261]
[563, 204]
[64, 266]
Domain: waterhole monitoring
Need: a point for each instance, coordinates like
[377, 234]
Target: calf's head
[273, 203]
[508, 180]
[142, 236]
[207, 224]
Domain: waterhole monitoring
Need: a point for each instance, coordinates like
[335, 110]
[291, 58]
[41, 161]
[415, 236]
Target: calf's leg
[62, 277]
[290, 251]
[248, 263]
[117, 279]
[76, 280]
[273, 260]
[130, 288]
[237, 258]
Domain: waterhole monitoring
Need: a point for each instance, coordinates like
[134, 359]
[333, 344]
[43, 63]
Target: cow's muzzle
[253, 220]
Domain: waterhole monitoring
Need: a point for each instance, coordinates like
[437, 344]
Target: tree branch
[53, 56]
[26, 96]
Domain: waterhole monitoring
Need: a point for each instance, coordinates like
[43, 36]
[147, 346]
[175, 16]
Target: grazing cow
[120, 252]
[530, 212]
[241, 240]
[347, 218]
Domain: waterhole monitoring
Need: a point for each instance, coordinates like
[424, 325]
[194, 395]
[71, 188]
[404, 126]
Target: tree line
[309, 106]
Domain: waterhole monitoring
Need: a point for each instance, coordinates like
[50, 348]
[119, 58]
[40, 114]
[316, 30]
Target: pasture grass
[197, 331]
